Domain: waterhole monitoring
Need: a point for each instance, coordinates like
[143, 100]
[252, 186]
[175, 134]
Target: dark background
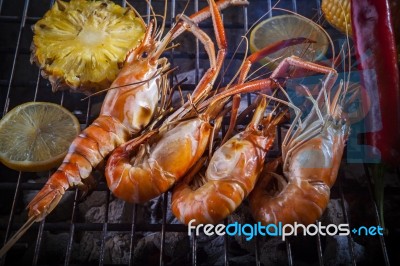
[20, 81]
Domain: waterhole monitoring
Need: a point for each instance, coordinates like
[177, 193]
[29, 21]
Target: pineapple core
[91, 36]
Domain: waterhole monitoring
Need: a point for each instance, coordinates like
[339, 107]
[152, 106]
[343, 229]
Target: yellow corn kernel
[337, 13]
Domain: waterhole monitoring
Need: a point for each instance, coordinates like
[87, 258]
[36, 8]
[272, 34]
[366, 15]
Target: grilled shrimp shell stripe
[135, 96]
[307, 192]
[296, 188]
[156, 165]
[230, 176]
[85, 153]
[241, 157]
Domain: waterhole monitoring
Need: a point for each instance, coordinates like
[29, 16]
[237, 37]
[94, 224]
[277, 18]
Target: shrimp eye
[145, 55]
[260, 127]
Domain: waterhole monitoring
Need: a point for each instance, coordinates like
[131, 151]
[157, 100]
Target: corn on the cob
[337, 13]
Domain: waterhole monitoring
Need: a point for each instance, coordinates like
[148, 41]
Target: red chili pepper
[395, 9]
[376, 53]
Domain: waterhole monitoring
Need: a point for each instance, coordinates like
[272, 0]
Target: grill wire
[21, 82]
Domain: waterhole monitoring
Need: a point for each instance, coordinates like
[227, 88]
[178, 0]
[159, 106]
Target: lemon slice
[35, 136]
[286, 27]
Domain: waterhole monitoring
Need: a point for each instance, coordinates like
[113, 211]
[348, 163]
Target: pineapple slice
[82, 44]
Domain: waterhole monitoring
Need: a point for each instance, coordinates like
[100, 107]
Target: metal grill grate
[20, 82]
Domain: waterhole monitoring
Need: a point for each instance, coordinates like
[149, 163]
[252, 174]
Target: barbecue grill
[100, 229]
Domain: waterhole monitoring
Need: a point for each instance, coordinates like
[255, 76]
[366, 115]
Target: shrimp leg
[129, 106]
[168, 156]
[231, 173]
[311, 156]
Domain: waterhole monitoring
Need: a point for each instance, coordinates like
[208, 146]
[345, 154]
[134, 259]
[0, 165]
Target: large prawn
[231, 173]
[234, 168]
[311, 156]
[128, 107]
[296, 187]
[147, 166]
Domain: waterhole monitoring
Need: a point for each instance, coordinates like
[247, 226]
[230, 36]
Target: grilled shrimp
[149, 165]
[156, 162]
[145, 167]
[296, 187]
[234, 168]
[230, 176]
[128, 108]
[151, 172]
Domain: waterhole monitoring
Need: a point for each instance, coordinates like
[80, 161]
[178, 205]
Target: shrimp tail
[48, 197]
[273, 199]
[86, 152]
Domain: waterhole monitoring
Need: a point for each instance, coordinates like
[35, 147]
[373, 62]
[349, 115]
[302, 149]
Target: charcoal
[337, 251]
[155, 207]
[176, 248]
[95, 199]
[55, 245]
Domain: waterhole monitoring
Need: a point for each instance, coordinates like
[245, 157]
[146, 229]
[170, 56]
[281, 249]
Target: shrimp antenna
[160, 32]
[336, 98]
[150, 10]
[173, 46]
[190, 99]
[169, 36]
[230, 61]
[245, 39]
[164, 99]
[318, 19]
[258, 20]
[179, 17]
[311, 98]
[264, 66]
[317, 25]
[176, 86]
[159, 73]
[135, 11]
[154, 16]
[260, 76]
[348, 56]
